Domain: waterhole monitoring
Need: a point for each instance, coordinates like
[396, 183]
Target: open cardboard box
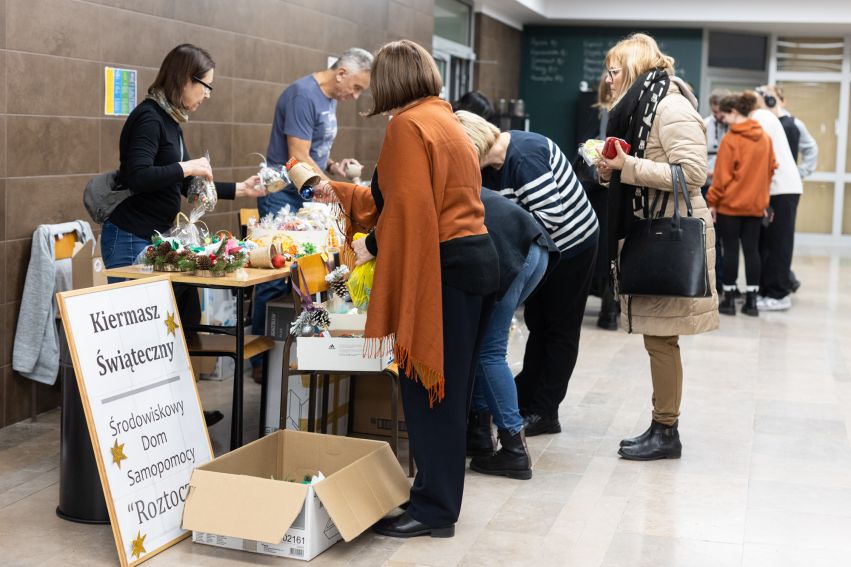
[87, 267]
[242, 500]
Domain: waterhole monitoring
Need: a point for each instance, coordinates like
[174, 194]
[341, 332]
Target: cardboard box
[297, 398]
[87, 269]
[241, 501]
[371, 409]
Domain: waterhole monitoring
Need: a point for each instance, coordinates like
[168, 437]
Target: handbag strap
[678, 179]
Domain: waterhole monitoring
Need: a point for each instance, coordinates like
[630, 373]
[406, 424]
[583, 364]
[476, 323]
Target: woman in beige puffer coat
[676, 136]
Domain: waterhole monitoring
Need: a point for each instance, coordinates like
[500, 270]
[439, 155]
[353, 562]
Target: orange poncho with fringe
[429, 178]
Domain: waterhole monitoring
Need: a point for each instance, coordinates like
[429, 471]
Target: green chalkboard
[556, 58]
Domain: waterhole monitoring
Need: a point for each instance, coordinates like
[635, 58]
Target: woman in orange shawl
[435, 274]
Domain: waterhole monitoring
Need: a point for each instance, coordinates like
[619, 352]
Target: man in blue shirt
[304, 128]
[305, 122]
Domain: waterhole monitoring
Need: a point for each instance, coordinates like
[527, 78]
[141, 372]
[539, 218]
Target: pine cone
[150, 253]
[204, 262]
[172, 257]
[341, 289]
[164, 248]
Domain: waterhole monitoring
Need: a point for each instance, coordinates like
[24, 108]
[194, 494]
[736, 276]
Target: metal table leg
[236, 412]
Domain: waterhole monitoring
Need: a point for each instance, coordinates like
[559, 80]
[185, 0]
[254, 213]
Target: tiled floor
[765, 478]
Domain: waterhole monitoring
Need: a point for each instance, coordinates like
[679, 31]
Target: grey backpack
[102, 195]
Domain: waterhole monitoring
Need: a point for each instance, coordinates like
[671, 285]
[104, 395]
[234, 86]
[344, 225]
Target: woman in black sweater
[157, 169]
[155, 164]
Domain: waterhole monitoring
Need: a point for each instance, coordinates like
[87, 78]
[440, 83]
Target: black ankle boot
[609, 310]
[750, 308]
[512, 459]
[479, 436]
[636, 440]
[662, 443]
[728, 304]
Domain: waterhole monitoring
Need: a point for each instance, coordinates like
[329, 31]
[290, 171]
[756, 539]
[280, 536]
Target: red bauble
[278, 261]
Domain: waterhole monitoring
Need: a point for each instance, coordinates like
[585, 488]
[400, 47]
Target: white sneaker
[771, 304]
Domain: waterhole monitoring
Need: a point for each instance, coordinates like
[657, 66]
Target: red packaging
[609, 151]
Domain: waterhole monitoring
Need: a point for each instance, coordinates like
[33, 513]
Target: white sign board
[141, 405]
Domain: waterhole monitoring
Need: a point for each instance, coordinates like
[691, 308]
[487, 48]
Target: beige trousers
[666, 369]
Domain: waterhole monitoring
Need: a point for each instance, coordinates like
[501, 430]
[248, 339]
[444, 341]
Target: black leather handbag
[665, 256]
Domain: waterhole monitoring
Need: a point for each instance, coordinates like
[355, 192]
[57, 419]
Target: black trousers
[554, 318]
[437, 435]
[776, 247]
[732, 230]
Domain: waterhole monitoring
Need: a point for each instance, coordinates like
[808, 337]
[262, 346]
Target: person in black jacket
[157, 169]
[525, 252]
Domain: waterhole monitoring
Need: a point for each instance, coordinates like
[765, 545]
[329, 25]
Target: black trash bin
[80, 493]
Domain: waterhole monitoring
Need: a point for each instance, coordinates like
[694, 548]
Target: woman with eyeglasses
[156, 166]
[656, 113]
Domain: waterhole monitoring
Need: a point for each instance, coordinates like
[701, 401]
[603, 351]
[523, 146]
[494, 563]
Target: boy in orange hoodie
[739, 196]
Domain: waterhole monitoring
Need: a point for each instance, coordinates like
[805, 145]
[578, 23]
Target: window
[815, 54]
[453, 21]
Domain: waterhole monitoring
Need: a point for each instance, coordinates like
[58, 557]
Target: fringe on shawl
[432, 380]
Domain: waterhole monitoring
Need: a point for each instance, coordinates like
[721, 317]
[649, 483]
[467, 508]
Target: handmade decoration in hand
[273, 179]
[202, 192]
[303, 177]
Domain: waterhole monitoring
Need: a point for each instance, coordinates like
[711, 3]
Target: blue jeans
[494, 388]
[119, 247]
[266, 292]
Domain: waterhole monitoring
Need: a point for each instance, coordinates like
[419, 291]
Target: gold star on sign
[138, 545]
[170, 323]
[118, 453]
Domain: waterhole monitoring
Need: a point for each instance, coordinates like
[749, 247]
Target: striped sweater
[537, 176]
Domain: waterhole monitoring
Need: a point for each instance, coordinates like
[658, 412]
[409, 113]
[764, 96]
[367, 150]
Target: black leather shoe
[636, 440]
[404, 525]
[479, 435]
[728, 304]
[512, 459]
[750, 307]
[535, 424]
[213, 417]
[662, 443]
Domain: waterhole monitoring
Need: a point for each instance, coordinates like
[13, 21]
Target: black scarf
[631, 119]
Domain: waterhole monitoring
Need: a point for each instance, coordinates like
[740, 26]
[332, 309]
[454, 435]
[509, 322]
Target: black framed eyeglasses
[207, 87]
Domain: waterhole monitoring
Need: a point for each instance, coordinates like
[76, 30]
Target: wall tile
[80, 82]
[219, 43]
[18, 255]
[344, 144]
[55, 27]
[18, 398]
[216, 138]
[341, 34]
[219, 107]
[258, 59]
[401, 21]
[248, 139]
[2, 150]
[2, 46]
[297, 62]
[2, 226]
[3, 370]
[256, 102]
[51, 146]
[115, 29]
[110, 132]
[33, 201]
[2, 79]
[162, 8]
[10, 323]
[262, 18]
[307, 28]
[5, 341]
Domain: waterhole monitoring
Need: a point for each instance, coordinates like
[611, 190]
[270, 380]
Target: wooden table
[240, 281]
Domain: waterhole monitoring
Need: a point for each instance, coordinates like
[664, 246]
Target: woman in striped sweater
[532, 171]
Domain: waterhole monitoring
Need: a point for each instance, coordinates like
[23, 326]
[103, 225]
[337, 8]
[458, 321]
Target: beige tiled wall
[497, 67]
[54, 136]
